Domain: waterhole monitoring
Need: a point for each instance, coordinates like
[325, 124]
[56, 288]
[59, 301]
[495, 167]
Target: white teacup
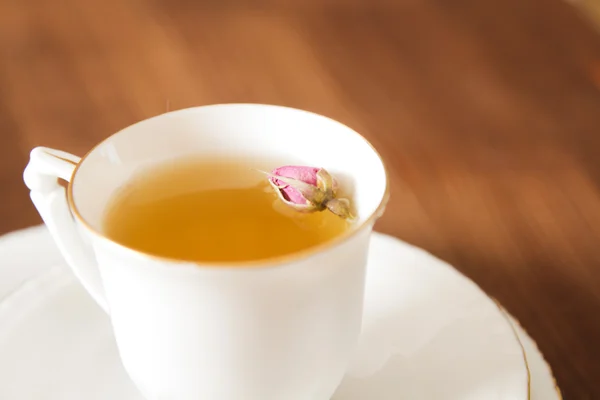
[283, 329]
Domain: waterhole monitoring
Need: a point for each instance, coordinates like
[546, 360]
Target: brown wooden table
[487, 112]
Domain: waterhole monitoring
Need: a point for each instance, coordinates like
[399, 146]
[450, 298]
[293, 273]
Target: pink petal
[304, 174]
[301, 173]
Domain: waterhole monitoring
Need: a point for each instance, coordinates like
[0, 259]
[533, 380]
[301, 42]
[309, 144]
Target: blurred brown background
[487, 112]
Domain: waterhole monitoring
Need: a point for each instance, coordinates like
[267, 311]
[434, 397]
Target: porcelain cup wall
[282, 329]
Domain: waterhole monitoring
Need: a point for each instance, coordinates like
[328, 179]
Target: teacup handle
[46, 166]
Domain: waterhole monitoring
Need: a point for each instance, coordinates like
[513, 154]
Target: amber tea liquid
[213, 210]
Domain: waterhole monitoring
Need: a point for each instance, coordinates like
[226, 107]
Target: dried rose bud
[308, 189]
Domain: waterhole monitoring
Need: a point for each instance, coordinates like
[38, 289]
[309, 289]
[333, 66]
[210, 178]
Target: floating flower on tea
[308, 189]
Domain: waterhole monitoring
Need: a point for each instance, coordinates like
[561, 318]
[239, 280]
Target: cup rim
[266, 262]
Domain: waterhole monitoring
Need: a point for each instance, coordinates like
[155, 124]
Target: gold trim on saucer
[512, 327]
[512, 323]
[556, 388]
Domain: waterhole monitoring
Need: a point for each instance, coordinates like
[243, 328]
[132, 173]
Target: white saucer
[429, 333]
